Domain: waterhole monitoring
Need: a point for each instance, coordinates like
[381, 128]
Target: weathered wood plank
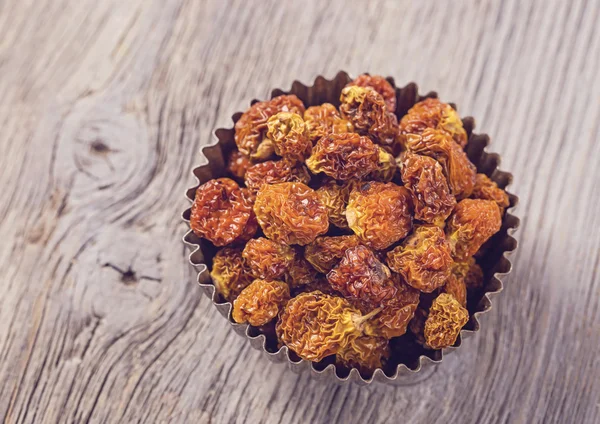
[104, 108]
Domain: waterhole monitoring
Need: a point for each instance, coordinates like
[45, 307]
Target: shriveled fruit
[487, 189]
[344, 156]
[431, 113]
[423, 259]
[290, 136]
[315, 325]
[425, 179]
[445, 320]
[275, 171]
[229, 273]
[260, 302]
[379, 84]
[360, 275]
[457, 167]
[268, 259]
[222, 212]
[366, 109]
[300, 272]
[290, 213]
[238, 164]
[380, 214]
[364, 353]
[335, 198]
[326, 252]
[457, 288]
[386, 168]
[251, 128]
[323, 120]
[472, 223]
[396, 312]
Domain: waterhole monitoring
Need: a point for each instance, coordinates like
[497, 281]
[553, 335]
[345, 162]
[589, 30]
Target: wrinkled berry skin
[445, 320]
[396, 312]
[268, 259]
[222, 212]
[457, 288]
[366, 109]
[229, 273]
[260, 302]
[486, 189]
[457, 167]
[424, 259]
[431, 113]
[323, 120]
[238, 164]
[365, 353]
[316, 325]
[290, 213]
[251, 128]
[290, 136]
[326, 252]
[425, 179]
[361, 276]
[379, 84]
[380, 214]
[472, 223]
[344, 156]
[335, 198]
[273, 172]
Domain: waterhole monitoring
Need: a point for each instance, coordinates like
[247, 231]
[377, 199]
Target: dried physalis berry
[445, 320]
[326, 252]
[469, 272]
[472, 223]
[268, 259]
[290, 213]
[457, 288]
[290, 136]
[396, 312]
[360, 275]
[379, 84]
[229, 273]
[335, 199]
[386, 168]
[251, 128]
[431, 113]
[366, 109]
[380, 214]
[275, 171]
[364, 353]
[300, 272]
[222, 212]
[487, 189]
[315, 325]
[424, 177]
[344, 156]
[457, 167]
[260, 302]
[323, 120]
[238, 164]
[423, 259]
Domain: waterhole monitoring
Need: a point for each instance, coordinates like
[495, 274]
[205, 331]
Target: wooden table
[104, 107]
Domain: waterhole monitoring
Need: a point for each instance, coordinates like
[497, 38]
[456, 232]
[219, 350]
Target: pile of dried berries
[345, 228]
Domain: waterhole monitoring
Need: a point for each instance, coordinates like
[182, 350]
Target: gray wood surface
[103, 108]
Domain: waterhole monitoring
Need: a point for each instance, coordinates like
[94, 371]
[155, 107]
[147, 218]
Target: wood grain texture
[104, 106]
